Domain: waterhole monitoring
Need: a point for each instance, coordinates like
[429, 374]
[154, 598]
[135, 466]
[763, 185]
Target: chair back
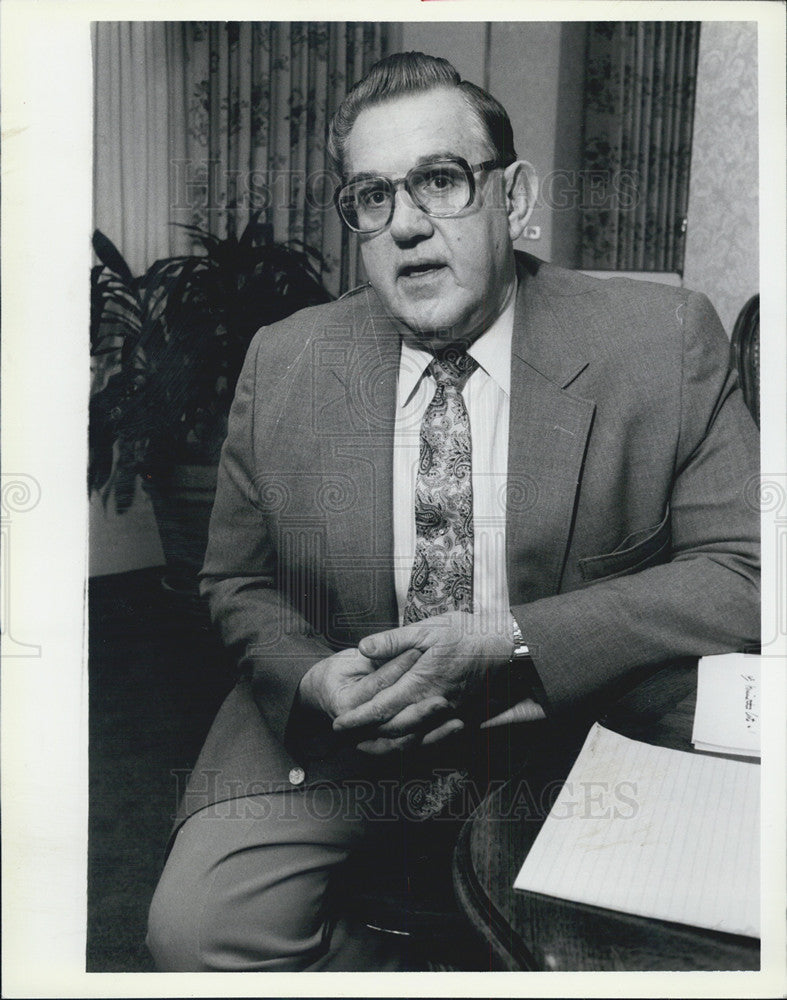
[745, 354]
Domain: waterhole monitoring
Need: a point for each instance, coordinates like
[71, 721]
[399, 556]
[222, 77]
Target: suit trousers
[251, 884]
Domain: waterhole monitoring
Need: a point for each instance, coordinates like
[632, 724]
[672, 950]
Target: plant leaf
[110, 256]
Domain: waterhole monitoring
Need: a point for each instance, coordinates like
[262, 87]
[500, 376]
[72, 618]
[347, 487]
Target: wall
[722, 248]
[463, 44]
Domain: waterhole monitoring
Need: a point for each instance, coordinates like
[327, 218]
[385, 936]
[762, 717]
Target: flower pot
[183, 506]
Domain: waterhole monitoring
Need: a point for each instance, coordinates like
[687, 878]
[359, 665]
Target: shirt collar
[492, 351]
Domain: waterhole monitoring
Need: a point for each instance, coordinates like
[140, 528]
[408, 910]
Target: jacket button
[297, 776]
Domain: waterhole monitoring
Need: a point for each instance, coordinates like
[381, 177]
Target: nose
[408, 220]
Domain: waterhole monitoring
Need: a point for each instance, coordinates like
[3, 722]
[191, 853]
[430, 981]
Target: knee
[199, 928]
[246, 889]
[238, 905]
[173, 934]
[178, 913]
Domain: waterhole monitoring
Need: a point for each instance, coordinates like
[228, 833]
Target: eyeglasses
[441, 188]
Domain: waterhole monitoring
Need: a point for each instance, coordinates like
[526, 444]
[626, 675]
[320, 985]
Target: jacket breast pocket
[644, 548]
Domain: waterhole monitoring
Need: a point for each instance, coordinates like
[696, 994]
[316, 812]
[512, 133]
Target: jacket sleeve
[705, 599]
[272, 643]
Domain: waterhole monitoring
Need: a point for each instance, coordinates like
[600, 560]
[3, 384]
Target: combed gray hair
[411, 73]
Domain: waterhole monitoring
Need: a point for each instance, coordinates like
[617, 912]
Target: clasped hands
[409, 685]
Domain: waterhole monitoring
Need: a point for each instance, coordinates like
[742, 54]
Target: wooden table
[525, 930]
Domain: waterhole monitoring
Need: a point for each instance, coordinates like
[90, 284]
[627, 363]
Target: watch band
[521, 650]
[512, 683]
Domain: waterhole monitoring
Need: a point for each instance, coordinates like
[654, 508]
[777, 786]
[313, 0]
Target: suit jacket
[630, 540]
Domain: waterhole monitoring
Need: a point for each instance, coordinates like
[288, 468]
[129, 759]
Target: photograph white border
[47, 173]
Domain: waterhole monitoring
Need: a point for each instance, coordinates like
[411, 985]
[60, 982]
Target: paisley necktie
[442, 575]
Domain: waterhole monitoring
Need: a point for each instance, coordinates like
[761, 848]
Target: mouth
[420, 269]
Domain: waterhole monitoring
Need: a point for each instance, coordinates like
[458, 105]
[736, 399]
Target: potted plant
[167, 348]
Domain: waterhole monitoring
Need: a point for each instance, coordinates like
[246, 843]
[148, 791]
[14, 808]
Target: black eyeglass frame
[393, 183]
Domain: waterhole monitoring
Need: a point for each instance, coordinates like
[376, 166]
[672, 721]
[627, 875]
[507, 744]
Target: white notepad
[727, 717]
[654, 832]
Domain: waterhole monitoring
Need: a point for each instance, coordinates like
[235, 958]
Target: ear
[521, 189]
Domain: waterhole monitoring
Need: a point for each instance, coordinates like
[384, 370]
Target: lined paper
[727, 717]
[654, 832]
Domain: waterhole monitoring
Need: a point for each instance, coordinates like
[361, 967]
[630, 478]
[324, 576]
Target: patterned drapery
[204, 123]
[640, 85]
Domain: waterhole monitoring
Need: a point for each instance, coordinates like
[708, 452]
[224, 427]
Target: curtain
[202, 123]
[640, 83]
[131, 75]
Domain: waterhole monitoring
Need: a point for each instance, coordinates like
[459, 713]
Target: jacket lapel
[356, 451]
[548, 435]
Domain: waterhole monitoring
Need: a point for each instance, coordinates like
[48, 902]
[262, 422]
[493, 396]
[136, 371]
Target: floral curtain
[640, 85]
[203, 123]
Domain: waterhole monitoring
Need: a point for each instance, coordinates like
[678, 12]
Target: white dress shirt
[487, 398]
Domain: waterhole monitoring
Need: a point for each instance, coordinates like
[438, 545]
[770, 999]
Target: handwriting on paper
[751, 709]
[727, 717]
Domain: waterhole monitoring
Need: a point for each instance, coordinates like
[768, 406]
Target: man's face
[444, 279]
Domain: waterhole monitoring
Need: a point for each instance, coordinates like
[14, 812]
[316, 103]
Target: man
[478, 491]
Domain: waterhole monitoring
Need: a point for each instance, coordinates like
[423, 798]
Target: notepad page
[654, 832]
[727, 717]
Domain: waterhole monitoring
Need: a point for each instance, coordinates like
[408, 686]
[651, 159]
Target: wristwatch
[516, 680]
[521, 649]
[523, 679]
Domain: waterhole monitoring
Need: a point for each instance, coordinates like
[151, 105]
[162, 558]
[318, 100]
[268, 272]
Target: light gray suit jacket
[632, 538]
